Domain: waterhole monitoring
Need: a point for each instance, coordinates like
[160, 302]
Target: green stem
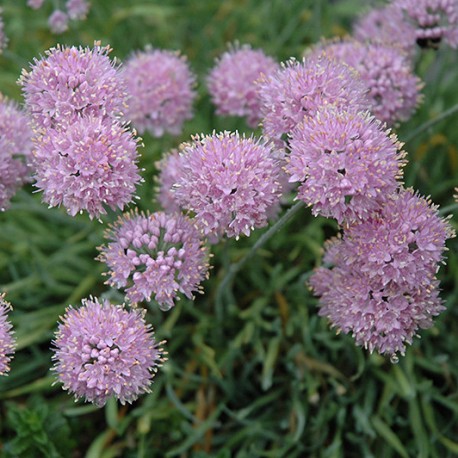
[234, 268]
[425, 126]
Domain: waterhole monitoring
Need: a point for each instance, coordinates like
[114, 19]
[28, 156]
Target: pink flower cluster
[386, 25]
[232, 82]
[403, 23]
[15, 149]
[381, 285]
[160, 91]
[228, 182]
[299, 89]
[104, 350]
[158, 255]
[393, 89]
[84, 157]
[346, 163]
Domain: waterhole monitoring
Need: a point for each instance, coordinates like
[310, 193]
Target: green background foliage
[255, 373]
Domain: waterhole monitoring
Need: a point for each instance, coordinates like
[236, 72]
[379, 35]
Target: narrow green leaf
[388, 435]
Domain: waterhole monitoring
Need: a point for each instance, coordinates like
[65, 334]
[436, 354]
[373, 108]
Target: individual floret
[155, 256]
[228, 182]
[103, 350]
[346, 162]
[232, 82]
[160, 91]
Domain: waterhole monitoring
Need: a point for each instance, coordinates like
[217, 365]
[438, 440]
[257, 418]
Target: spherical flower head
[346, 162]
[402, 242]
[435, 21]
[298, 89]
[69, 83]
[384, 318]
[394, 90]
[90, 164]
[160, 90]
[104, 350]
[158, 255]
[232, 82]
[388, 26]
[169, 171]
[6, 337]
[228, 182]
[58, 22]
[77, 9]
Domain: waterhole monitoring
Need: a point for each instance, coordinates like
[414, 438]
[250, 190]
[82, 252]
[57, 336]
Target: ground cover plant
[258, 274]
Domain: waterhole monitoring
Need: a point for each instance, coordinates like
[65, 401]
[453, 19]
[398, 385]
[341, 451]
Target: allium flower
[386, 25]
[15, 127]
[104, 350]
[6, 337]
[58, 22]
[381, 317]
[69, 83]
[228, 182]
[77, 9]
[382, 287]
[347, 163]
[15, 149]
[435, 20]
[394, 90]
[160, 89]
[155, 255]
[232, 82]
[169, 171]
[87, 165]
[403, 242]
[35, 4]
[300, 88]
